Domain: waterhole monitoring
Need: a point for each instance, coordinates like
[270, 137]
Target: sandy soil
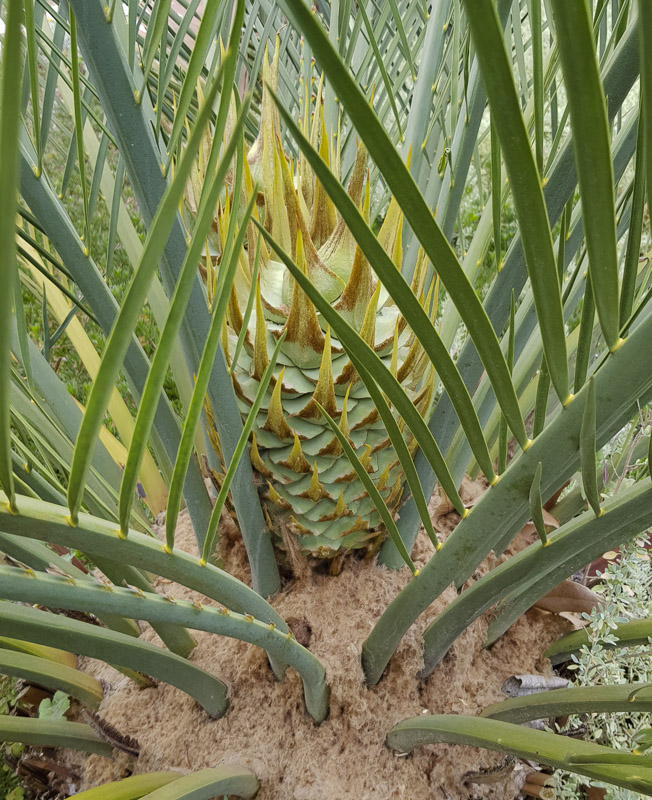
[267, 728]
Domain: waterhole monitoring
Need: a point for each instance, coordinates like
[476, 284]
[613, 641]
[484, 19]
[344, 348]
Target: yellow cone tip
[202, 562]
[122, 534]
[494, 480]
[466, 513]
[167, 549]
[568, 400]
[528, 444]
[617, 345]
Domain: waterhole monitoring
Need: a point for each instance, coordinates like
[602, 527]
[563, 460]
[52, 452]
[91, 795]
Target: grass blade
[534, 12]
[21, 330]
[49, 94]
[79, 128]
[381, 64]
[12, 70]
[525, 184]
[496, 197]
[587, 452]
[32, 58]
[586, 337]
[115, 213]
[502, 436]
[123, 327]
[203, 41]
[592, 144]
[536, 506]
[178, 306]
[158, 23]
[630, 269]
[193, 414]
[645, 43]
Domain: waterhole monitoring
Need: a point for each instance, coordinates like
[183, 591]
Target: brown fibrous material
[267, 728]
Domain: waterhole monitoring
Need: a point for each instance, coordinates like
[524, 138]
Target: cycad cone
[310, 487]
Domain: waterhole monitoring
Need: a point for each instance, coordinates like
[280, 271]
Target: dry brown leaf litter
[267, 728]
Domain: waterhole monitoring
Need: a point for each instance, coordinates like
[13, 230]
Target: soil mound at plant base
[344, 758]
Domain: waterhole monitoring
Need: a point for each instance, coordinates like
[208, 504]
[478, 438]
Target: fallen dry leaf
[569, 596]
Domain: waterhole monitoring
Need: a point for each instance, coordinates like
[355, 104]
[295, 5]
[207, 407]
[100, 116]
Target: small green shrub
[625, 586]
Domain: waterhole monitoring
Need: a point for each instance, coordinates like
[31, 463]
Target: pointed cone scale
[324, 393]
[393, 367]
[304, 340]
[422, 400]
[315, 491]
[225, 342]
[419, 276]
[296, 460]
[365, 461]
[390, 231]
[277, 218]
[256, 461]
[365, 458]
[323, 217]
[233, 312]
[382, 480]
[274, 497]
[338, 252]
[275, 422]
[340, 510]
[367, 333]
[410, 360]
[320, 275]
[368, 328]
[397, 491]
[359, 289]
[261, 357]
[269, 113]
[334, 448]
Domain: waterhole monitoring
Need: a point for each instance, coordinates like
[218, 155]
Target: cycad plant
[334, 335]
